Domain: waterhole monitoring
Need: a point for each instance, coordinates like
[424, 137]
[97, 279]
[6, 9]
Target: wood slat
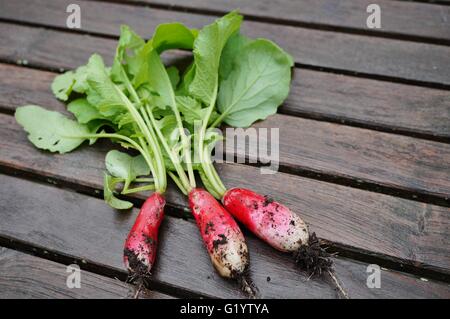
[411, 232]
[376, 104]
[404, 163]
[398, 18]
[384, 159]
[82, 226]
[28, 277]
[379, 57]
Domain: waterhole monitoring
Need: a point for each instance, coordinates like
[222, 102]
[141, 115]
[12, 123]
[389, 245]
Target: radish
[278, 226]
[141, 243]
[222, 237]
[269, 220]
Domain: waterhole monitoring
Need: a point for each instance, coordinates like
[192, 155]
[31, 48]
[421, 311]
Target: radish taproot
[222, 237]
[142, 241]
[272, 222]
[281, 228]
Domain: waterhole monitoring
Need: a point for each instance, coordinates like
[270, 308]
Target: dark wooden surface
[360, 217]
[26, 276]
[57, 221]
[389, 160]
[399, 18]
[316, 48]
[364, 140]
[393, 107]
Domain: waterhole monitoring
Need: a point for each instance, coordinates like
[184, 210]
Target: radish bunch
[167, 119]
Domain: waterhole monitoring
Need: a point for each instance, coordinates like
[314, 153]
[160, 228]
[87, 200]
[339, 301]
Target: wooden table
[364, 152]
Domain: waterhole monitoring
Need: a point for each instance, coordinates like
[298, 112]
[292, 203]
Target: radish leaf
[207, 51]
[173, 36]
[84, 111]
[108, 194]
[50, 130]
[256, 83]
[125, 166]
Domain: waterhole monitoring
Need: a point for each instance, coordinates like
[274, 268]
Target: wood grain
[82, 226]
[388, 160]
[376, 104]
[412, 232]
[404, 163]
[407, 19]
[28, 277]
[379, 57]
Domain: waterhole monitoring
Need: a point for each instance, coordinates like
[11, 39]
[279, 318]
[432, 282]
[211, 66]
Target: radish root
[337, 284]
[316, 261]
[247, 286]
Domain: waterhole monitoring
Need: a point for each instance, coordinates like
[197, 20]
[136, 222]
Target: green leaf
[62, 85]
[108, 194]
[94, 126]
[168, 127]
[174, 76]
[159, 81]
[192, 110]
[84, 111]
[50, 130]
[257, 83]
[186, 80]
[125, 166]
[129, 42]
[104, 93]
[173, 36]
[206, 183]
[207, 52]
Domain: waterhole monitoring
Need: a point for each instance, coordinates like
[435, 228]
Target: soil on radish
[313, 258]
[222, 241]
[139, 268]
[209, 227]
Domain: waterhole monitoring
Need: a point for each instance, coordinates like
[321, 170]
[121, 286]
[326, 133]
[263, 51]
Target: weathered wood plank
[393, 161]
[416, 233]
[382, 105]
[408, 19]
[380, 57]
[24, 276]
[82, 226]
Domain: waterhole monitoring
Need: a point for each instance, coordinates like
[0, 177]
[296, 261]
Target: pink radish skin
[141, 243]
[269, 220]
[221, 234]
[284, 230]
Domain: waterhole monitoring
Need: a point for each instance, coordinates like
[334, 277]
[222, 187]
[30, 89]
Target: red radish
[222, 237]
[141, 244]
[269, 220]
[278, 226]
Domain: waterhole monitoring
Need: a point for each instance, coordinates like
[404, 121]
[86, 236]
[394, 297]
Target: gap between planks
[265, 17]
[404, 110]
[36, 167]
[78, 208]
[25, 275]
[350, 178]
[308, 59]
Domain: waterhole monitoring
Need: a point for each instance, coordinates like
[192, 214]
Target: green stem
[138, 189]
[157, 151]
[205, 157]
[153, 144]
[212, 176]
[178, 182]
[218, 120]
[179, 168]
[129, 141]
[144, 180]
[185, 143]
